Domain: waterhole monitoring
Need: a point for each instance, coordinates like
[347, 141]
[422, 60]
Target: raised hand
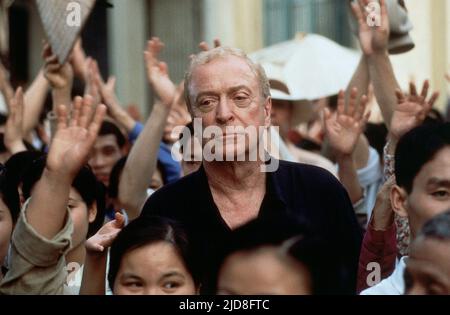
[106, 90]
[411, 110]
[106, 235]
[179, 114]
[372, 38]
[344, 127]
[74, 137]
[14, 125]
[157, 72]
[59, 76]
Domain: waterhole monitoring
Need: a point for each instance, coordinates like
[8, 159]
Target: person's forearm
[61, 96]
[94, 273]
[34, 100]
[15, 147]
[383, 216]
[349, 177]
[384, 84]
[141, 162]
[360, 79]
[47, 218]
[123, 118]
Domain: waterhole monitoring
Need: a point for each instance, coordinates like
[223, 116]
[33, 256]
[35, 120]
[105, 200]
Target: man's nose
[96, 161]
[224, 113]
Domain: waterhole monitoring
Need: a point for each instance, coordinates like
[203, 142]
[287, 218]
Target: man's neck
[234, 176]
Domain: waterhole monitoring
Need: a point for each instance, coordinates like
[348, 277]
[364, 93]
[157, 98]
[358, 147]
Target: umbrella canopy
[312, 66]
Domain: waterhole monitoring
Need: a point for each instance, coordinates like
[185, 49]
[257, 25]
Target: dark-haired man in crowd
[422, 172]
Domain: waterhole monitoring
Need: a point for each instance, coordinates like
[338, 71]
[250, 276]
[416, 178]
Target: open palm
[157, 72]
[106, 235]
[372, 38]
[412, 110]
[344, 127]
[74, 139]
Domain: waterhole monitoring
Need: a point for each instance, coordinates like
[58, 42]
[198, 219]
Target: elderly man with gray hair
[230, 95]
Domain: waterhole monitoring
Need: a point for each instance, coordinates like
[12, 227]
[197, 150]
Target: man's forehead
[104, 140]
[224, 68]
[439, 166]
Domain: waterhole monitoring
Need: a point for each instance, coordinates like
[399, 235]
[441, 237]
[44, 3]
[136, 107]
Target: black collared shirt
[310, 193]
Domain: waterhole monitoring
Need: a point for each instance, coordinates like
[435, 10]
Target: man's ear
[267, 111]
[399, 200]
[92, 212]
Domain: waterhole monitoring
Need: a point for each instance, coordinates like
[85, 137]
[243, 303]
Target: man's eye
[241, 99]
[207, 102]
[109, 151]
[441, 194]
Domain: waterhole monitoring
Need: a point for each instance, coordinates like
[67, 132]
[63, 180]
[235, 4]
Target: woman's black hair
[295, 239]
[18, 163]
[145, 231]
[9, 193]
[85, 183]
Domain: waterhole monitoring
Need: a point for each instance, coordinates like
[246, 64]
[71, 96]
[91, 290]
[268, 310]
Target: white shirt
[392, 285]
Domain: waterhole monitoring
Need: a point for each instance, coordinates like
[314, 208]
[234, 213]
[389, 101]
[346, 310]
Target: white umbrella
[312, 66]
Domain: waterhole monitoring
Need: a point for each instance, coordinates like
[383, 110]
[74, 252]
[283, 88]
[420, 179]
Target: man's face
[281, 116]
[225, 92]
[104, 156]
[428, 267]
[430, 194]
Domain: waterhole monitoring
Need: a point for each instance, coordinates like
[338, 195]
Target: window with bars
[284, 18]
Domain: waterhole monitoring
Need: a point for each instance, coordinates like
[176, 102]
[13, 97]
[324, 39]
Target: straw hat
[399, 25]
[302, 109]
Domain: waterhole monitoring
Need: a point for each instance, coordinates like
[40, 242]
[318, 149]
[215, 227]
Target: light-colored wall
[237, 23]
[430, 58]
[127, 27]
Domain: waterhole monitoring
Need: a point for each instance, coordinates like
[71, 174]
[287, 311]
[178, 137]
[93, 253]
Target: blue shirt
[172, 168]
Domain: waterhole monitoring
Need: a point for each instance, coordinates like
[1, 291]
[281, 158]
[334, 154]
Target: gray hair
[220, 52]
[438, 227]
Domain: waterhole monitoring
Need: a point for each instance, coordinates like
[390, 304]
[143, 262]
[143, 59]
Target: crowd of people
[93, 201]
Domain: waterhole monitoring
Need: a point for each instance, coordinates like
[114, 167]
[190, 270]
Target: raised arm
[343, 129]
[94, 271]
[68, 152]
[108, 95]
[14, 125]
[60, 78]
[141, 161]
[374, 42]
[5, 86]
[34, 101]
